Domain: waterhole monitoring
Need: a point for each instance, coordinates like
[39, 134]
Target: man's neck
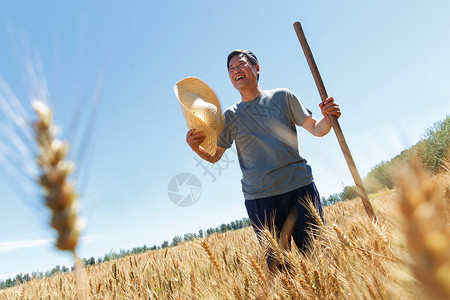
[250, 94]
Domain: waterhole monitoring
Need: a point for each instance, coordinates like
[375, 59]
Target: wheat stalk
[313, 211]
[257, 268]
[211, 255]
[342, 237]
[276, 253]
[60, 196]
[426, 229]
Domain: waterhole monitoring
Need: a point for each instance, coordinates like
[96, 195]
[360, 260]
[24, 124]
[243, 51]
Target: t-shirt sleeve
[225, 139]
[297, 111]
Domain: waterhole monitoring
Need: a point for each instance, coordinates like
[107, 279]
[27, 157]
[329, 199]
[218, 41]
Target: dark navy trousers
[273, 211]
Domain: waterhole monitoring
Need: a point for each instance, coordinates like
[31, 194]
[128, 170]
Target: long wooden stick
[334, 122]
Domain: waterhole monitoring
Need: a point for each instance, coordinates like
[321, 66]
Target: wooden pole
[334, 122]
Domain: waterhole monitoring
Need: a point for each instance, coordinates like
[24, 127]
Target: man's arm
[194, 139]
[323, 126]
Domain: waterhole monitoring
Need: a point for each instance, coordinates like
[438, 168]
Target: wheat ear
[211, 255]
[426, 229]
[257, 268]
[342, 237]
[60, 196]
[276, 251]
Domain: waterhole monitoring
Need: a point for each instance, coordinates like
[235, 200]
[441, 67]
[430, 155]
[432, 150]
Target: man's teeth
[240, 77]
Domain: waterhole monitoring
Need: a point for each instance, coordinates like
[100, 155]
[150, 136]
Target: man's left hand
[330, 107]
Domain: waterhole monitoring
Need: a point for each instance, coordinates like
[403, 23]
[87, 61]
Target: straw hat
[201, 109]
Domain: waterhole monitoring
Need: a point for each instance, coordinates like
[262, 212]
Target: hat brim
[185, 90]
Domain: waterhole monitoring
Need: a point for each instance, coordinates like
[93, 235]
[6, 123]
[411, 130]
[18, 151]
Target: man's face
[242, 73]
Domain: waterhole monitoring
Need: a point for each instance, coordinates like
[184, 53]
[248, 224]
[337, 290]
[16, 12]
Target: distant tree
[9, 282]
[233, 225]
[189, 237]
[165, 244]
[240, 224]
[111, 255]
[27, 277]
[19, 278]
[223, 228]
[53, 271]
[176, 241]
[332, 199]
[200, 233]
[435, 145]
[380, 177]
[348, 193]
[90, 261]
[123, 253]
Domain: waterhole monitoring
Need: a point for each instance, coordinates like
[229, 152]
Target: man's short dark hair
[250, 56]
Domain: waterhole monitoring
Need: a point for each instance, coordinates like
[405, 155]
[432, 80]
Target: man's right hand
[194, 139]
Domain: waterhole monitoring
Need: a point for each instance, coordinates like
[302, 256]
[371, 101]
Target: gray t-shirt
[266, 143]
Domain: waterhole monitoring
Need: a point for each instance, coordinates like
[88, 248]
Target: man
[275, 179]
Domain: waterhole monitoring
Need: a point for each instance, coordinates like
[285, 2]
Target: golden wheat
[349, 259]
[257, 268]
[211, 255]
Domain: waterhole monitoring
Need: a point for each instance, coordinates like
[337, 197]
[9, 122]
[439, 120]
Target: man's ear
[257, 69]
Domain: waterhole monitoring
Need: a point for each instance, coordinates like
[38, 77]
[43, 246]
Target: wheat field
[404, 255]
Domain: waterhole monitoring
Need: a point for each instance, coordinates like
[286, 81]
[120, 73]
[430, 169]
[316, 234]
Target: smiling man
[276, 179]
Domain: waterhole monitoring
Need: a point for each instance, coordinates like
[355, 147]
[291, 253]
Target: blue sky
[386, 63]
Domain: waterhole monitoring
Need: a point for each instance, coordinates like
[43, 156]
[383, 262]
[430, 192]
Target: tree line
[432, 149]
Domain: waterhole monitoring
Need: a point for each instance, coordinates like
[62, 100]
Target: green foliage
[435, 145]
[176, 241]
[348, 193]
[432, 150]
[332, 199]
[379, 177]
[89, 262]
[189, 237]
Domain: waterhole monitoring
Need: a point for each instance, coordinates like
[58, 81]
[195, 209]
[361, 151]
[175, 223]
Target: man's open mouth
[239, 77]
